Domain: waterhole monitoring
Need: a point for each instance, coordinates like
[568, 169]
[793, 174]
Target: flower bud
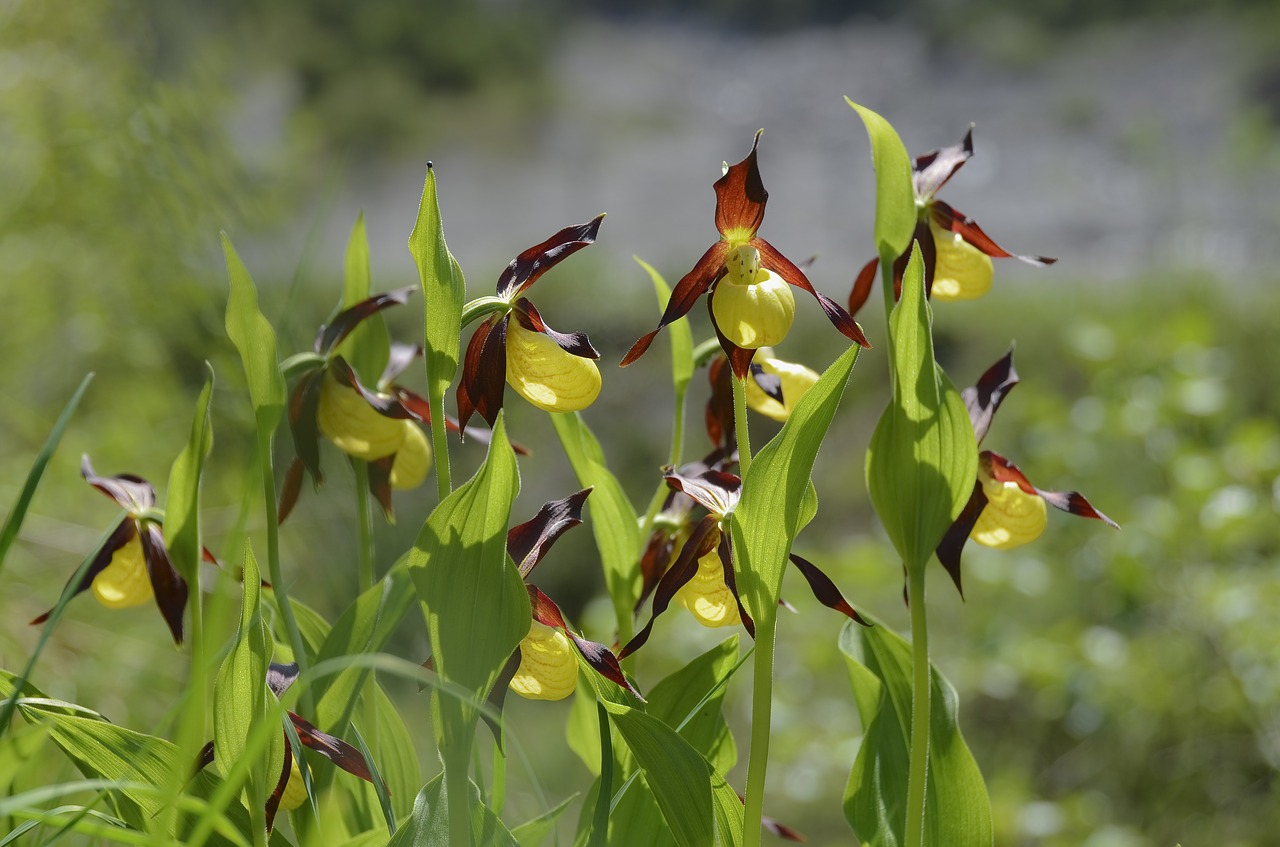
[707, 596]
[546, 375]
[125, 581]
[413, 459]
[961, 271]
[347, 419]
[548, 669]
[755, 313]
[1012, 517]
[295, 790]
[796, 380]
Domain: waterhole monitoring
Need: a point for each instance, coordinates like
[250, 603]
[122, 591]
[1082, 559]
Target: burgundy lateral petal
[952, 543]
[772, 258]
[530, 541]
[715, 490]
[781, 830]
[417, 406]
[169, 586]
[280, 676]
[740, 195]
[273, 802]
[825, 590]
[525, 269]
[599, 657]
[1075, 503]
[703, 539]
[290, 489]
[498, 696]
[653, 563]
[573, 343]
[204, 758]
[380, 485]
[334, 749]
[984, 399]
[770, 384]
[719, 415]
[133, 493]
[304, 403]
[687, 291]
[967, 228]
[928, 255]
[1002, 470]
[398, 361]
[387, 405]
[120, 536]
[862, 286]
[933, 169]
[725, 551]
[340, 327]
[484, 372]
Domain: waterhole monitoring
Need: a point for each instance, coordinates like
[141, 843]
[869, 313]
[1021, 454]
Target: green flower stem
[482, 306]
[917, 781]
[365, 515]
[300, 363]
[740, 426]
[761, 710]
[600, 822]
[457, 788]
[440, 445]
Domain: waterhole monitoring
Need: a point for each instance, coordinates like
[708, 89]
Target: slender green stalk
[740, 425]
[499, 772]
[917, 782]
[761, 711]
[458, 795]
[600, 823]
[364, 513]
[273, 561]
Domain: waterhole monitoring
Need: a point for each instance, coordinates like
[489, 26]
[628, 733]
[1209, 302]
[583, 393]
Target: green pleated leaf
[895, 197]
[367, 347]
[581, 729]
[777, 498]
[240, 692]
[182, 506]
[17, 514]
[678, 333]
[729, 812]
[474, 600]
[533, 832]
[428, 825]
[957, 809]
[255, 340]
[393, 749]
[443, 287]
[923, 458]
[609, 512]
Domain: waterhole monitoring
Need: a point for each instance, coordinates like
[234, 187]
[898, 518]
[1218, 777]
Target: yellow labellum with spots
[295, 790]
[796, 379]
[961, 271]
[548, 669]
[707, 596]
[125, 581]
[546, 375]
[347, 419]
[752, 306]
[1012, 517]
[413, 459]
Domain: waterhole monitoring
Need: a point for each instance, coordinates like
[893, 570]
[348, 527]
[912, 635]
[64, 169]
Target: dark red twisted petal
[703, 539]
[984, 399]
[120, 536]
[825, 590]
[967, 228]
[530, 541]
[169, 586]
[772, 258]
[526, 268]
[687, 291]
[740, 195]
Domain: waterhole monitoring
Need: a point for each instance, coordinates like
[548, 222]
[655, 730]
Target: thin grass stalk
[761, 718]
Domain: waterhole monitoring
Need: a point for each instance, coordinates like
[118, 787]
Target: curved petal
[340, 327]
[525, 269]
[334, 749]
[687, 291]
[983, 399]
[304, 403]
[933, 169]
[862, 286]
[703, 539]
[484, 372]
[967, 228]
[530, 541]
[716, 491]
[740, 197]
[575, 343]
[169, 586]
[134, 494]
[600, 658]
[772, 258]
[952, 543]
[125, 532]
[398, 361]
[825, 590]
[739, 358]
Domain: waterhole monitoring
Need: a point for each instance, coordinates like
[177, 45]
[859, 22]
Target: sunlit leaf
[533, 832]
[428, 825]
[182, 504]
[957, 809]
[678, 332]
[254, 338]
[443, 286]
[895, 198]
[367, 347]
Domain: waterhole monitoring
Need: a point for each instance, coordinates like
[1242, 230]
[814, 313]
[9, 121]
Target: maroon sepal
[273, 801]
[932, 170]
[399, 359]
[781, 830]
[134, 494]
[334, 749]
[653, 563]
[952, 543]
[740, 195]
[862, 286]
[770, 384]
[340, 327]
[281, 675]
[825, 590]
[387, 405]
[169, 586]
[204, 758]
[725, 551]
[703, 539]
[530, 541]
[967, 228]
[1072, 502]
[290, 489]
[484, 372]
[715, 490]
[600, 658]
[379, 471]
[719, 414]
[497, 696]
[686, 292]
[929, 258]
[772, 258]
[524, 270]
[739, 358]
[573, 343]
[304, 403]
[984, 399]
[119, 537]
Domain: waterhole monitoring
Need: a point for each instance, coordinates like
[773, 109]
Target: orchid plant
[715, 539]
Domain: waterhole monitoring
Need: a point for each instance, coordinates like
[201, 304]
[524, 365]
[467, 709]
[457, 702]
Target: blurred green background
[1118, 689]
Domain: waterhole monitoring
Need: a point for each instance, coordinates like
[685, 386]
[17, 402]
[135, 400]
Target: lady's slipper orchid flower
[133, 566]
[749, 279]
[702, 576]
[1005, 509]
[553, 370]
[290, 790]
[957, 253]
